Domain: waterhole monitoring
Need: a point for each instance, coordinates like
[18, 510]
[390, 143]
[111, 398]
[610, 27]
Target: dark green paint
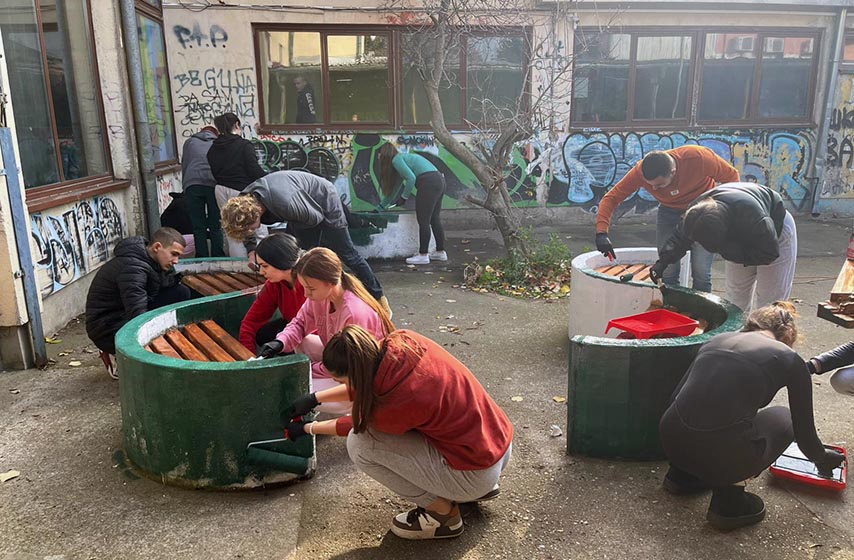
[189, 423]
[618, 389]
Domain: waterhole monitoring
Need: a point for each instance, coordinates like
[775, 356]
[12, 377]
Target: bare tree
[499, 120]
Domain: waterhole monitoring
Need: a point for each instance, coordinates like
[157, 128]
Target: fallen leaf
[75, 363]
[450, 301]
[9, 475]
[50, 340]
[64, 353]
[517, 399]
[465, 241]
[14, 391]
[559, 399]
[555, 431]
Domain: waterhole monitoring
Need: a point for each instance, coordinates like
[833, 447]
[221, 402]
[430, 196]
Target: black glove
[295, 430]
[272, 348]
[832, 459]
[603, 245]
[300, 407]
[832, 359]
[656, 271]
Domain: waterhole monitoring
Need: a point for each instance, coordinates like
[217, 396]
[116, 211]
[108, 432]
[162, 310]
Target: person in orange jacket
[422, 425]
[675, 178]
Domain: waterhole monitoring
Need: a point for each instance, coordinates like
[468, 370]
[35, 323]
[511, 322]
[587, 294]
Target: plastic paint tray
[651, 323]
[793, 465]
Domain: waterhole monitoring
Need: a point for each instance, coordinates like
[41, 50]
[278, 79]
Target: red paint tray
[652, 323]
[793, 465]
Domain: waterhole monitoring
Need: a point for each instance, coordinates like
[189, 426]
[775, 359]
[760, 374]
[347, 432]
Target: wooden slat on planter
[229, 280]
[184, 347]
[206, 344]
[225, 340]
[161, 346]
[195, 283]
[251, 280]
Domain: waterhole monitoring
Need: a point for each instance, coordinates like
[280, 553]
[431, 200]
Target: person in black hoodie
[749, 227]
[234, 166]
[140, 277]
[199, 196]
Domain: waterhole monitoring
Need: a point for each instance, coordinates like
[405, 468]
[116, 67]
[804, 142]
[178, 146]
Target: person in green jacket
[417, 174]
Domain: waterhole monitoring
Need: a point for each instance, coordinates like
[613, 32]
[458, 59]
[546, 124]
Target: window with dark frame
[848, 49]
[54, 88]
[648, 77]
[350, 76]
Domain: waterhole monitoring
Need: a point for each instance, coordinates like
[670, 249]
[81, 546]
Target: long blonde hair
[355, 354]
[778, 318]
[323, 264]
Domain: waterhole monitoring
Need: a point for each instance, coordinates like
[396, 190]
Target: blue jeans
[701, 260]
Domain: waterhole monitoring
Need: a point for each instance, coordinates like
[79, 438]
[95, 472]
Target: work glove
[604, 246]
[832, 459]
[833, 359]
[295, 430]
[271, 349]
[656, 271]
[300, 407]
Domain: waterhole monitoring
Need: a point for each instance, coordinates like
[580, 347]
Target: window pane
[786, 67]
[292, 83]
[661, 77]
[600, 88]
[74, 88]
[848, 52]
[493, 77]
[28, 93]
[418, 53]
[158, 103]
[728, 66]
[358, 78]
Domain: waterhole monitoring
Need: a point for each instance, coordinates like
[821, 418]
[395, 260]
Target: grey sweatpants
[843, 380]
[412, 468]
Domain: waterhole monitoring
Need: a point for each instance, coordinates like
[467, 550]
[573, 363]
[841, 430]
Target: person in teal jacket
[417, 174]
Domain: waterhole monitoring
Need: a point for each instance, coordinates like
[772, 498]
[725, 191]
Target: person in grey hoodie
[313, 211]
[199, 195]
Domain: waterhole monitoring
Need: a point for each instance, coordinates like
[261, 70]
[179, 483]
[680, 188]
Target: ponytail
[355, 354]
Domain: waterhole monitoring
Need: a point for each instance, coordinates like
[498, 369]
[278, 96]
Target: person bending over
[335, 299]
[313, 211]
[719, 430]
[275, 257]
[750, 228]
[140, 277]
[422, 425]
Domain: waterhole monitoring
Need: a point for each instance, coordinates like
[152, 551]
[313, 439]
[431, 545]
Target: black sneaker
[732, 507]
[419, 524]
[681, 483]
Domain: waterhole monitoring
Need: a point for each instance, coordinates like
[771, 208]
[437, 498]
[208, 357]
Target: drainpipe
[140, 113]
[824, 129]
[10, 169]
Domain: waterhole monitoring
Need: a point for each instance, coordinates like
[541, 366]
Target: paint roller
[258, 453]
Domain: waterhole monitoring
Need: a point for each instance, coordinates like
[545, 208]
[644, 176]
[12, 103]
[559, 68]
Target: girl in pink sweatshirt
[334, 299]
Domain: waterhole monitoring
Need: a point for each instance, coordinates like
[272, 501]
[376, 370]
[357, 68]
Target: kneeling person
[140, 277]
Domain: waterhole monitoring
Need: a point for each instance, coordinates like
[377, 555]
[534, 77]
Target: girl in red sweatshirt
[422, 425]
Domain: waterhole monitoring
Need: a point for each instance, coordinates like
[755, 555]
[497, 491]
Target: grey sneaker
[438, 256]
[419, 524]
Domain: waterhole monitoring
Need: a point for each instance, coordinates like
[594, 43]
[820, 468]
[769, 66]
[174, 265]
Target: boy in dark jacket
[140, 277]
[314, 213]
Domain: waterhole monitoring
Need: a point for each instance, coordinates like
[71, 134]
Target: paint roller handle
[271, 349]
[604, 245]
[296, 429]
[656, 271]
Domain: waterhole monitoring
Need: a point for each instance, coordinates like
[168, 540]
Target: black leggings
[428, 206]
[728, 455]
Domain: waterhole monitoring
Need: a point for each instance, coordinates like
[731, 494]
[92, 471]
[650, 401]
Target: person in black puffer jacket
[140, 277]
[748, 225]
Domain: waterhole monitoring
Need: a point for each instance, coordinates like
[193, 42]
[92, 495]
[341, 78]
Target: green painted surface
[618, 389]
[188, 423]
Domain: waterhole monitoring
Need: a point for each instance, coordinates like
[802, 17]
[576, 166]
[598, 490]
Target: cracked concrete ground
[76, 499]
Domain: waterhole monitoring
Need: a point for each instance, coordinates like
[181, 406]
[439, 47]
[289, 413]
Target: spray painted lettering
[216, 36]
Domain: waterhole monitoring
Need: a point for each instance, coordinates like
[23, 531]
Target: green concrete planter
[188, 423]
[618, 389]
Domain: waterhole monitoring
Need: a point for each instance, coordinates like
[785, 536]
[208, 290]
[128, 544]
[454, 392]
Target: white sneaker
[438, 256]
[418, 259]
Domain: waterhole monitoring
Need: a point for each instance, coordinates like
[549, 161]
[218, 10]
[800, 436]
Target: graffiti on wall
[202, 94]
[576, 172]
[839, 173]
[215, 37]
[69, 244]
[166, 184]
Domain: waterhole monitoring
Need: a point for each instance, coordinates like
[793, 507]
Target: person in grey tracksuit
[199, 195]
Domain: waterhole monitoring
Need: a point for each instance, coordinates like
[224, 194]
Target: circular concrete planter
[188, 423]
[618, 389]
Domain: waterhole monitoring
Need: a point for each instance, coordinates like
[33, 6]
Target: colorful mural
[839, 173]
[578, 171]
[69, 243]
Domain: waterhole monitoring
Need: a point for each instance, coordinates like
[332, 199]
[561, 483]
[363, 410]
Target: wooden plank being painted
[251, 280]
[161, 346]
[184, 347]
[843, 288]
[228, 279]
[195, 283]
[216, 283]
[225, 340]
[206, 344]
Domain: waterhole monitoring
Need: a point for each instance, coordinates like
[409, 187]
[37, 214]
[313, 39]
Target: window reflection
[601, 83]
[358, 78]
[418, 52]
[493, 77]
[293, 77]
[786, 67]
[662, 77]
[728, 69]
[158, 102]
